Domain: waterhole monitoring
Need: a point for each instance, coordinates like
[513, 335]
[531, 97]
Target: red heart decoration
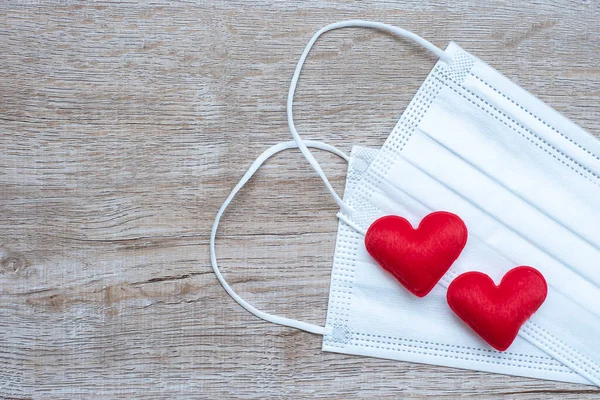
[496, 313]
[417, 258]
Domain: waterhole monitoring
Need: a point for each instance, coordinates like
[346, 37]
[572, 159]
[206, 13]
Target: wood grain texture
[123, 126]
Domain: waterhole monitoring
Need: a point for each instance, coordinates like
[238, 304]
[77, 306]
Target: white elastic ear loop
[351, 224]
[290, 99]
[276, 319]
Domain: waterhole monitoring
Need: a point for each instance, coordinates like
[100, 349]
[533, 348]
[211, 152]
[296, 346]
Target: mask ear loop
[345, 209]
[276, 319]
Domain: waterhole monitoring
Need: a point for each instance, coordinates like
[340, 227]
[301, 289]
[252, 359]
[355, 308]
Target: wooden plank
[124, 126]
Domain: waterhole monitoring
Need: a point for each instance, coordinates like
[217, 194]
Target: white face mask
[418, 330]
[525, 181]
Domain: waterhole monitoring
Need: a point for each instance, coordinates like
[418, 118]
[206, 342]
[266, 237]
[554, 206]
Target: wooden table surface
[124, 126]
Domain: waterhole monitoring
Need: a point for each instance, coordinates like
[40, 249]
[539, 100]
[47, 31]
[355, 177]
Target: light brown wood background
[124, 126]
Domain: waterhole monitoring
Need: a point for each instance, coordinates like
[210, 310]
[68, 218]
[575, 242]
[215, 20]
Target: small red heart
[417, 258]
[496, 313]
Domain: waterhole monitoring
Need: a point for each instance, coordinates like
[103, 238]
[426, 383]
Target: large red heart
[496, 313]
[417, 258]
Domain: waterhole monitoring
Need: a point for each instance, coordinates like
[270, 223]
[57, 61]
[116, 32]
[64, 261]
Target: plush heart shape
[496, 313]
[417, 258]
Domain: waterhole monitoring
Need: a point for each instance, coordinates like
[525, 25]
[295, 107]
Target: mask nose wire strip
[276, 319]
[290, 99]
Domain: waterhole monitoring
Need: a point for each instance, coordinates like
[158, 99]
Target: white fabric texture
[525, 181]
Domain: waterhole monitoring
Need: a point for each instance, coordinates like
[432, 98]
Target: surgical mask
[433, 338]
[522, 177]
